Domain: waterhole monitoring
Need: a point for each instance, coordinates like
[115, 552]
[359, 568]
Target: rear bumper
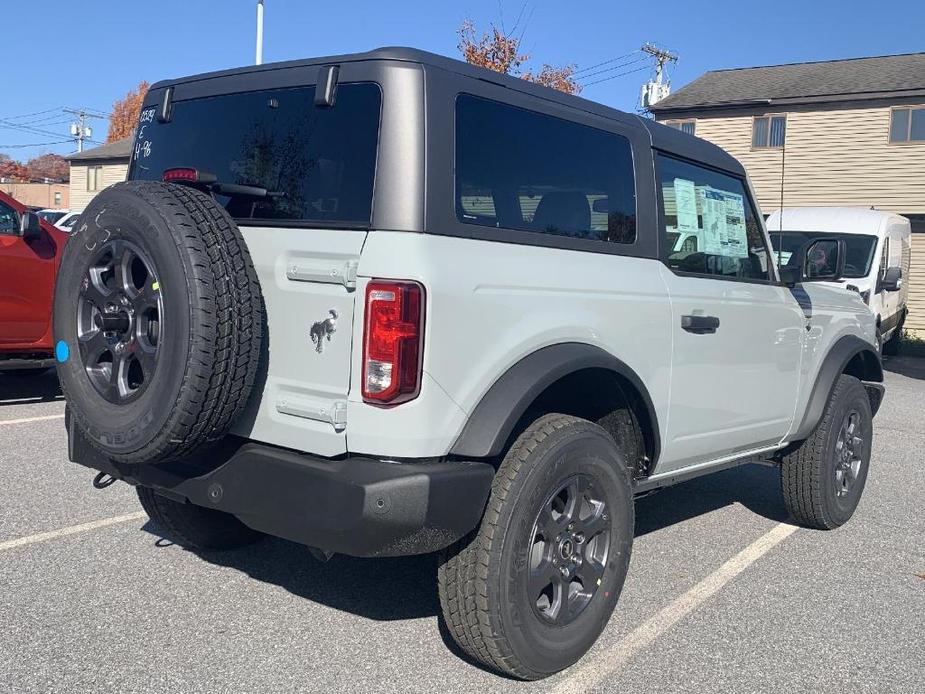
[356, 506]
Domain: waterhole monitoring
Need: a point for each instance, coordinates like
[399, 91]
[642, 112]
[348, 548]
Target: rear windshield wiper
[209, 182]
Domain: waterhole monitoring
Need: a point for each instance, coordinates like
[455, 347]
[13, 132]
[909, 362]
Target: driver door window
[710, 224]
[9, 220]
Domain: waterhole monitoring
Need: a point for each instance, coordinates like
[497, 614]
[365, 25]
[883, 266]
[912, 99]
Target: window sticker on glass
[736, 236]
[686, 201]
[713, 205]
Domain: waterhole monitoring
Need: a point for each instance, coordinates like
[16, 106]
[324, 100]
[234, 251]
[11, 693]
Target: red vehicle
[30, 250]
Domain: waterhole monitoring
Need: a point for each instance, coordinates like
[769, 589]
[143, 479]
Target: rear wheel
[195, 527]
[530, 591]
[822, 480]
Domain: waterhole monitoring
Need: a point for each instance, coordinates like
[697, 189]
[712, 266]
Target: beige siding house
[835, 133]
[97, 168]
[49, 195]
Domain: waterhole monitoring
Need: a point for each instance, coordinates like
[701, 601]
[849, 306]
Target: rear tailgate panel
[299, 401]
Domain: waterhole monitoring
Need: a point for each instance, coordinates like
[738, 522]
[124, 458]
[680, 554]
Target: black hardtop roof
[662, 137]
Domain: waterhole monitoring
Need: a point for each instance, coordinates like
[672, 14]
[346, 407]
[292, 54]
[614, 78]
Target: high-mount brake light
[183, 174]
[173, 175]
[393, 341]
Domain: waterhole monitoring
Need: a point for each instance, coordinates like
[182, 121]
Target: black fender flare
[494, 418]
[842, 352]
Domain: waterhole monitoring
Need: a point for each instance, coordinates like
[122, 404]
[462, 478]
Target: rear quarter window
[317, 163]
[524, 170]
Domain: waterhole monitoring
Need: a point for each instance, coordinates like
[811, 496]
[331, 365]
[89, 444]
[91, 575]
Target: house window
[769, 131]
[685, 126]
[94, 178]
[907, 124]
[57, 199]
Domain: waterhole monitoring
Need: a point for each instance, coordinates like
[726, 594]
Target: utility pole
[79, 129]
[662, 57]
[259, 58]
[655, 90]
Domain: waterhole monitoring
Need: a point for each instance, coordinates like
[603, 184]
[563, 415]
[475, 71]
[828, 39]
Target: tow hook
[103, 480]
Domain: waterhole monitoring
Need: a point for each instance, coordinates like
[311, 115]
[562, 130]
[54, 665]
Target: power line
[614, 67]
[34, 144]
[606, 62]
[4, 124]
[36, 113]
[613, 77]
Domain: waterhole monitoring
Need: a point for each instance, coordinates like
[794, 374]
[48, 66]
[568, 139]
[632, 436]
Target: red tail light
[393, 341]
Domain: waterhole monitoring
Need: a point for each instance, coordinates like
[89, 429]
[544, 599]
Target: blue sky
[87, 54]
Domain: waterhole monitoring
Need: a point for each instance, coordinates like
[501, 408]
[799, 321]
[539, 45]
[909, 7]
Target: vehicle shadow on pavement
[380, 589]
[911, 367]
[405, 587]
[21, 389]
[756, 487]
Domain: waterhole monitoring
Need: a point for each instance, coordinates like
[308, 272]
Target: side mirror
[820, 260]
[892, 279]
[30, 226]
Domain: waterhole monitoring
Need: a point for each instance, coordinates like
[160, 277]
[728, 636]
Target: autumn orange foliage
[52, 166]
[12, 170]
[125, 113]
[500, 51]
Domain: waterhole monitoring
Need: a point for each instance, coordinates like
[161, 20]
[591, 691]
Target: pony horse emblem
[323, 329]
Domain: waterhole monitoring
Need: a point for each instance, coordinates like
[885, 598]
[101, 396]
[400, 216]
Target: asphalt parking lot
[722, 595]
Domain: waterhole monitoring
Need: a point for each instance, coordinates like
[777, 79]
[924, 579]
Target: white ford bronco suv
[389, 303]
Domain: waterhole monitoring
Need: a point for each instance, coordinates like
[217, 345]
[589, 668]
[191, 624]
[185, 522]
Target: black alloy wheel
[570, 548]
[120, 316]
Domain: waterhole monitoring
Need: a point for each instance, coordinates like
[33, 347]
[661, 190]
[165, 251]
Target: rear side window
[518, 169]
[710, 224]
[317, 164]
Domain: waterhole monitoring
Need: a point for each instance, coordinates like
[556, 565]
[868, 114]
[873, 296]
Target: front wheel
[530, 591]
[823, 479]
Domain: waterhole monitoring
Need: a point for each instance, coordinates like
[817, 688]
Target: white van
[879, 250]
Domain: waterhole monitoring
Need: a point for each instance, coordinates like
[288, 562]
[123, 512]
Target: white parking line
[31, 419]
[602, 665]
[70, 530]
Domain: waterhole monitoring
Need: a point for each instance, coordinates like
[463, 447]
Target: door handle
[700, 325]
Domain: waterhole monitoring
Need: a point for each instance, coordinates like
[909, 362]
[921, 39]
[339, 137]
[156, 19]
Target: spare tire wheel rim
[568, 551]
[120, 321]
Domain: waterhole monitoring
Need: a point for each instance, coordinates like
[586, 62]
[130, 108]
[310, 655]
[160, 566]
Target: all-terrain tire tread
[481, 619]
[224, 354]
[803, 470]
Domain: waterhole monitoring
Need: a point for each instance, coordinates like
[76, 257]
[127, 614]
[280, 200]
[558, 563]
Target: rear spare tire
[158, 321]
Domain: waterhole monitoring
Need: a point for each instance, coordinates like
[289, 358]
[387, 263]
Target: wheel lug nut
[579, 537]
[571, 526]
[563, 570]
